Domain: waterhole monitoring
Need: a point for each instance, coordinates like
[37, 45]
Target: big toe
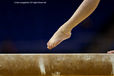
[49, 45]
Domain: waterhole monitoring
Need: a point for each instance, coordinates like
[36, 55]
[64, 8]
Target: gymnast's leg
[64, 32]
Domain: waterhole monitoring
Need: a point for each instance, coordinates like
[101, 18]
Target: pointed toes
[50, 45]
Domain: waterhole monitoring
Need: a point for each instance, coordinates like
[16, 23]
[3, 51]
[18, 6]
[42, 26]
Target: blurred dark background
[26, 28]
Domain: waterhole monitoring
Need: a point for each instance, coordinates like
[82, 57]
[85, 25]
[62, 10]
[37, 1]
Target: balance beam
[56, 64]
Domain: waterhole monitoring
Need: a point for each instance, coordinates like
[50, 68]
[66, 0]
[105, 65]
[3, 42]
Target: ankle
[65, 30]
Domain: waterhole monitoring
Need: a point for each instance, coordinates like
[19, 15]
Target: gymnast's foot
[111, 52]
[58, 37]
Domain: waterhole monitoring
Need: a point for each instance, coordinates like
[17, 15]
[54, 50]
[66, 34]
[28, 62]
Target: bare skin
[64, 32]
[111, 52]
